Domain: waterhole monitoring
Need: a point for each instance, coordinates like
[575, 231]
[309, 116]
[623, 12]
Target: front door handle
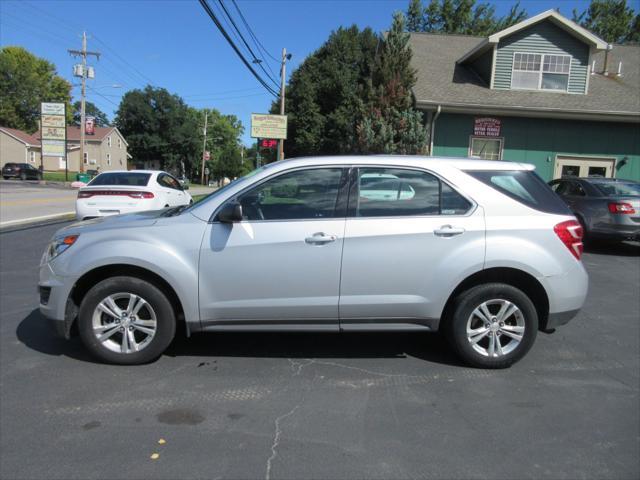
[448, 231]
[320, 238]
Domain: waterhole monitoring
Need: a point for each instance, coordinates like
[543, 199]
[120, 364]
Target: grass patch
[59, 176]
[197, 198]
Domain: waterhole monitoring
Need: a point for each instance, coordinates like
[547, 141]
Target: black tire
[467, 302]
[23, 176]
[6, 178]
[165, 320]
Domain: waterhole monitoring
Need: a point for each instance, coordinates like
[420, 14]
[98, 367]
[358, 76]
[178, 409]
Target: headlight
[59, 245]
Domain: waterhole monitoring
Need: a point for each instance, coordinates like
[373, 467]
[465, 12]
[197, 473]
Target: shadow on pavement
[36, 334]
[624, 249]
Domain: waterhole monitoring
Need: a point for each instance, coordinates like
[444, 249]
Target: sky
[175, 45]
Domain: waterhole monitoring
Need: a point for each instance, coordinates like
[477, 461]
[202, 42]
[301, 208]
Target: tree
[25, 81]
[91, 110]
[324, 94]
[612, 20]
[159, 126]
[389, 123]
[460, 16]
[223, 144]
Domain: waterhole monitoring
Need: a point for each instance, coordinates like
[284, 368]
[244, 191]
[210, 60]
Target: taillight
[570, 233]
[111, 193]
[621, 207]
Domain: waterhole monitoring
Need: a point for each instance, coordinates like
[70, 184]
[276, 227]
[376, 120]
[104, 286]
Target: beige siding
[99, 152]
[11, 150]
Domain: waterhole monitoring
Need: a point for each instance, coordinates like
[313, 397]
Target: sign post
[268, 126]
[53, 134]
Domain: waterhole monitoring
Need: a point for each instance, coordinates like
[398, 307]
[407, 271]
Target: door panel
[267, 271]
[405, 252]
[281, 263]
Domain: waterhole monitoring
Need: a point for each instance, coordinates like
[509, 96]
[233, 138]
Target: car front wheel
[493, 325]
[126, 320]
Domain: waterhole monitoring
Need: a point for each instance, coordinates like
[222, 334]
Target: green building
[545, 91]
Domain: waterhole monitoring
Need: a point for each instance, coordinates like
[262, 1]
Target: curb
[35, 220]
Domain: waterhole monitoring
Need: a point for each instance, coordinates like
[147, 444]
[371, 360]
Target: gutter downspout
[433, 129]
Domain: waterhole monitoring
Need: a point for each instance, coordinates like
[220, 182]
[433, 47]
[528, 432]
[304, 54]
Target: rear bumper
[617, 232]
[566, 293]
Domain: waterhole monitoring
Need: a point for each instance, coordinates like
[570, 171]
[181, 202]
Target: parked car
[482, 249]
[122, 191]
[23, 171]
[607, 208]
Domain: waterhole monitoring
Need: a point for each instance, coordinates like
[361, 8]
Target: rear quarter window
[525, 187]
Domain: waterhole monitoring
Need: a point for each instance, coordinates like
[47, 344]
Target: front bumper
[55, 302]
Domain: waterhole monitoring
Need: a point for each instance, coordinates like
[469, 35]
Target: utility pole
[283, 74]
[204, 146]
[83, 53]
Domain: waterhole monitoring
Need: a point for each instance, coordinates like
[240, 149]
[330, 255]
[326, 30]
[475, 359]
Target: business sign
[487, 127]
[53, 132]
[268, 126]
[90, 126]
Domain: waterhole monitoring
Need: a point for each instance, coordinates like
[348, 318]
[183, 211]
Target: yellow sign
[268, 126]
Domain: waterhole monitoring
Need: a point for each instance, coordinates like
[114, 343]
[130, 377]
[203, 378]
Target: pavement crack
[298, 366]
[276, 440]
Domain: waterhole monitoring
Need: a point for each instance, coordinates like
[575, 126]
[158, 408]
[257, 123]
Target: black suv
[23, 171]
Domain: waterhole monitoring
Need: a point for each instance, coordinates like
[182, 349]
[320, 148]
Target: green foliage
[353, 95]
[159, 126]
[25, 81]
[460, 16]
[223, 144]
[389, 123]
[90, 111]
[612, 20]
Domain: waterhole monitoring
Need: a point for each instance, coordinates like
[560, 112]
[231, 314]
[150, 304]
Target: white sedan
[121, 191]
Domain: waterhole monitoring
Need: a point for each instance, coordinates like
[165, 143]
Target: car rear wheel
[126, 320]
[23, 176]
[6, 178]
[493, 325]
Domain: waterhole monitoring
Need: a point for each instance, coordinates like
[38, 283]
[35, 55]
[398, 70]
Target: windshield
[121, 178]
[618, 188]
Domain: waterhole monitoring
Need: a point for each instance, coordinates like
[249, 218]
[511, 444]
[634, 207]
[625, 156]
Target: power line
[252, 34]
[255, 58]
[215, 20]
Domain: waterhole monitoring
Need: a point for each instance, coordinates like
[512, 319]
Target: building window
[109, 141]
[33, 156]
[108, 159]
[485, 148]
[534, 71]
[119, 143]
[85, 158]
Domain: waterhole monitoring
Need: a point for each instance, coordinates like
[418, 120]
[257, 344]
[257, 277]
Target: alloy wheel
[495, 328]
[124, 323]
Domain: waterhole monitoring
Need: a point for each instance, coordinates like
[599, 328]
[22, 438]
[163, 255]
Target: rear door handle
[320, 238]
[448, 231]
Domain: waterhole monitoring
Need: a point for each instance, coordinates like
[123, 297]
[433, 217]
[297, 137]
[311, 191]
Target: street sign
[268, 126]
[53, 132]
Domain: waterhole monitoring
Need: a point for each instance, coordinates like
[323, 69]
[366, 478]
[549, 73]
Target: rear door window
[523, 186]
[392, 192]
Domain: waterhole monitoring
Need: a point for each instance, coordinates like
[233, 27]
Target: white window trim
[472, 137]
[32, 156]
[540, 72]
[119, 142]
[109, 159]
[109, 141]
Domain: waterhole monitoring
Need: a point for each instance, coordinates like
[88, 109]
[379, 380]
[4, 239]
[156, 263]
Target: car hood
[130, 220]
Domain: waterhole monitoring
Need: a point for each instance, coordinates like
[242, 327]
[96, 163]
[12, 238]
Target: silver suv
[484, 251]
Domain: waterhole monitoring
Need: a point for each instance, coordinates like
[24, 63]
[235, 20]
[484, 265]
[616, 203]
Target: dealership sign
[268, 126]
[487, 127]
[53, 132]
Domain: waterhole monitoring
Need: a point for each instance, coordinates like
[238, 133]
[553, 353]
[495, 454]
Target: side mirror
[230, 213]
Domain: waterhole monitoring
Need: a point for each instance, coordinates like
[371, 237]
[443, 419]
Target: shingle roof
[24, 137]
[440, 81]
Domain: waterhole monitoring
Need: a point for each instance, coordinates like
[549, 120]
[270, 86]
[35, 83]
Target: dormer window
[536, 71]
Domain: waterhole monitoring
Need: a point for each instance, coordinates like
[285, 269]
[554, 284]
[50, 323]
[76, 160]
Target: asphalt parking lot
[322, 406]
